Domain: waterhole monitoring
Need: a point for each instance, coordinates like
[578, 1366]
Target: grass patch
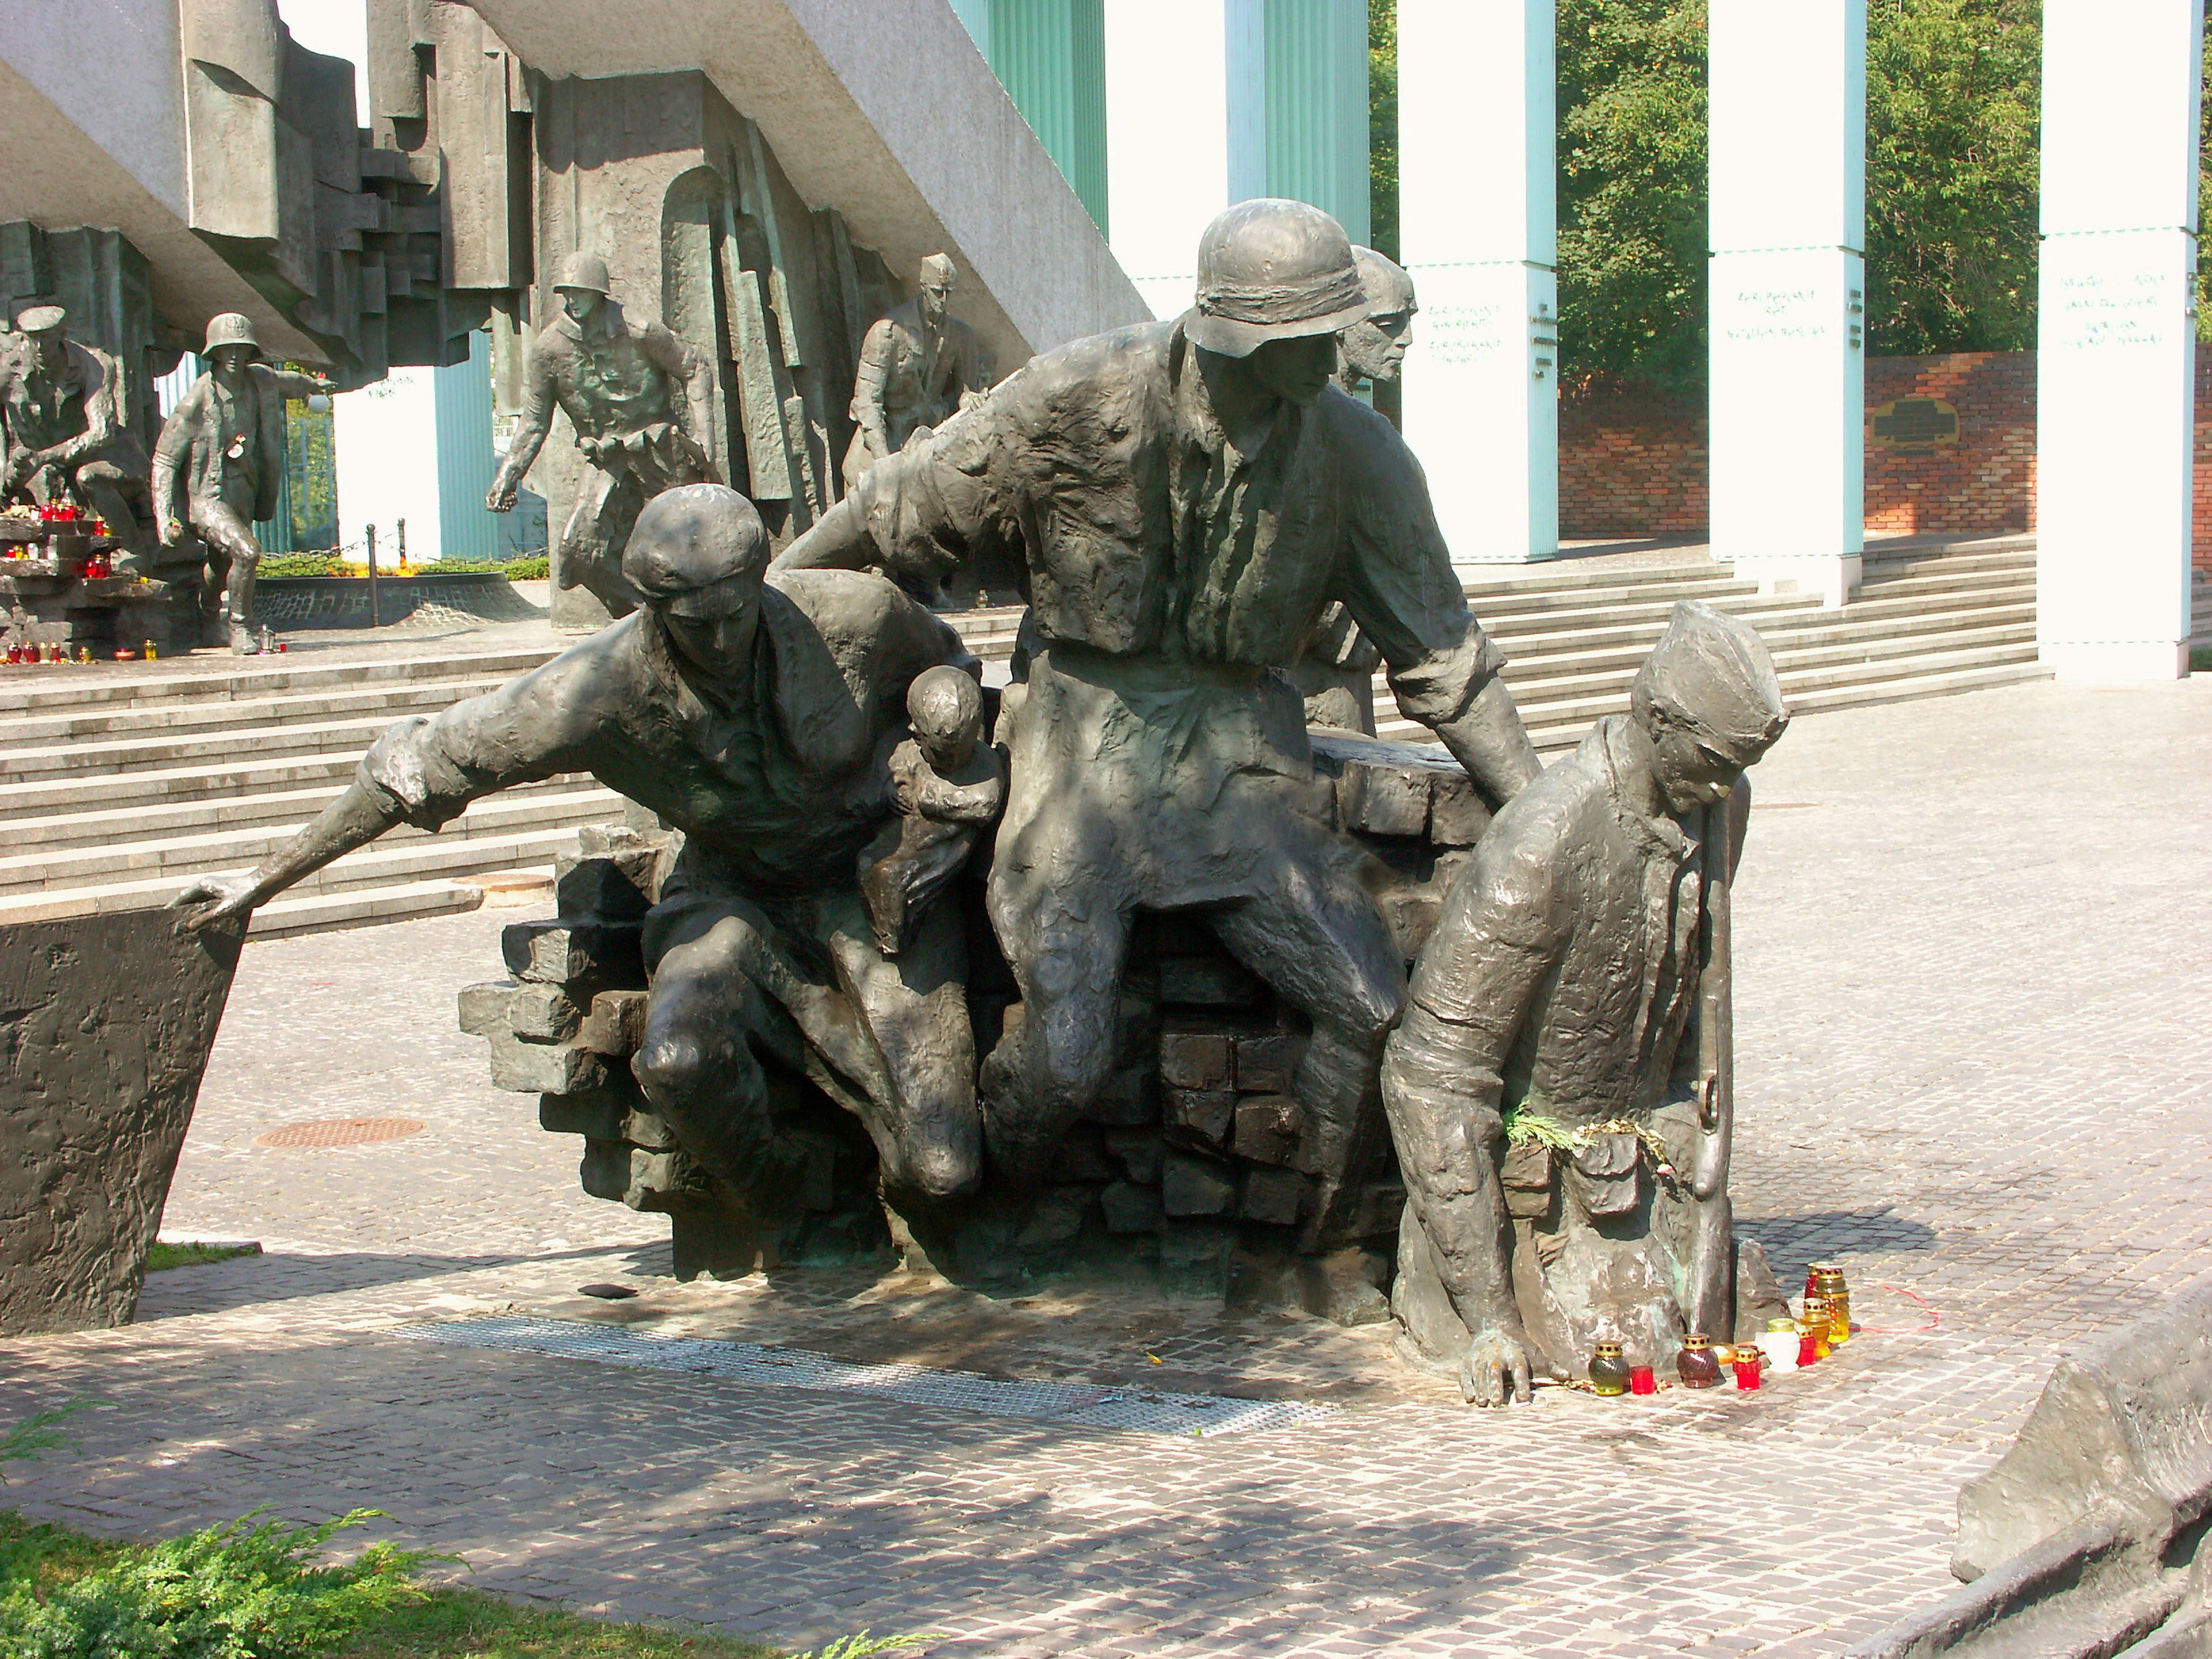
[250, 1590]
[2200, 659]
[162, 1256]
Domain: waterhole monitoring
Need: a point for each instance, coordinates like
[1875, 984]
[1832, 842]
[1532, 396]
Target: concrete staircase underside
[117, 788]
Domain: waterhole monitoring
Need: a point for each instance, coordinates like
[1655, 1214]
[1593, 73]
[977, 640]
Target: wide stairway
[120, 786]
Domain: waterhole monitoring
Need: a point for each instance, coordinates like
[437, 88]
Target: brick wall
[1632, 460]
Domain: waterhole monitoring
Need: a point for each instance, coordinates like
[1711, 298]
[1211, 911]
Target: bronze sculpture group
[1187, 506]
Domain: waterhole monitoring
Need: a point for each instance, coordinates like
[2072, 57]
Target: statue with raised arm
[1184, 500]
[219, 469]
[1558, 1088]
[642, 403]
[916, 366]
[63, 418]
[761, 719]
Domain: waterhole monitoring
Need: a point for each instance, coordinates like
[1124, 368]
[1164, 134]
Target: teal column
[1316, 79]
[975, 16]
[1050, 55]
[461, 394]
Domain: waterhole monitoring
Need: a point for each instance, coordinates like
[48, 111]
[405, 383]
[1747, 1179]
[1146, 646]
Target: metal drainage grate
[339, 1132]
[1136, 1411]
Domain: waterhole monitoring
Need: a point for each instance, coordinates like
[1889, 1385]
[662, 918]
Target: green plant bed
[250, 1591]
[2200, 660]
[164, 1256]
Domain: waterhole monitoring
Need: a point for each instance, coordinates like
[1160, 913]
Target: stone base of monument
[2087, 1537]
[1189, 1170]
[110, 1019]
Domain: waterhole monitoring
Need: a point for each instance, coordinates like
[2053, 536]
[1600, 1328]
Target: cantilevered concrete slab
[885, 110]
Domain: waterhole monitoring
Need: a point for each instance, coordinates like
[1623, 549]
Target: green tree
[1953, 98]
[1383, 125]
[1632, 182]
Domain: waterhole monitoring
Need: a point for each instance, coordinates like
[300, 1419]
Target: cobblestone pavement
[1973, 1067]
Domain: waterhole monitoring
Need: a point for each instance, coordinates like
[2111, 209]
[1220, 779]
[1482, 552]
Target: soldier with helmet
[1185, 499]
[65, 415]
[759, 718]
[916, 365]
[616, 377]
[218, 467]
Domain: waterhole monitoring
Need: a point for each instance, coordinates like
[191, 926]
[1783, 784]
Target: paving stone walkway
[1974, 1065]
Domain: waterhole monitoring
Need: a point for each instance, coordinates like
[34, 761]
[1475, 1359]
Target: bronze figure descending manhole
[339, 1131]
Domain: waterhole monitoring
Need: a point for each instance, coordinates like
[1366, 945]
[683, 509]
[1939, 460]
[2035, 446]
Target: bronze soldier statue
[1185, 499]
[218, 467]
[1571, 979]
[616, 377]
[65, 414]
[761, 720]
[1373, 350]
[916, 365]
[1336, 676]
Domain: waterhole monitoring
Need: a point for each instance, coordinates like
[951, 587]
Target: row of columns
[1191, 126]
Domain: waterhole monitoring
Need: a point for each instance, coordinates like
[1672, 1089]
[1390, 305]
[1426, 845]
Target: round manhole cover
[339, 1132]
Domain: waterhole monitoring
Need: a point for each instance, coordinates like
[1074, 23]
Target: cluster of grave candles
[1824, 1325]
[18, 654]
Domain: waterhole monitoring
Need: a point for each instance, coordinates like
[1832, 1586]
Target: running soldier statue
[219, 467]
[617, 379]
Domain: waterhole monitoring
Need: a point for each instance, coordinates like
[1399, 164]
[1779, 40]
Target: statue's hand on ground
[220, 898]
[1496, 1362]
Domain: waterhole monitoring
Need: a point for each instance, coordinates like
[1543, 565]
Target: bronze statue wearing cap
[916, 365]
[616, 377]
[759, 719]
[1181, 501]
[218, 466]
[65, 426]
[1570, 979]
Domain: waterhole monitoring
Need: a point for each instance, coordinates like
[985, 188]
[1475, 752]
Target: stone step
[64, 792]
[86, 816]
[1810, 627]
[389, 701]
[320, 913]
[377, 865]
[1541, 678]
[41, 690]
[49, 869]
[150, 752]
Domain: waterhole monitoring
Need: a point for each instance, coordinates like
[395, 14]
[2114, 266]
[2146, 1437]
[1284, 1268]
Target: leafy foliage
[1383, 126]
[1954, 98]
[1632, 188]
[238, 1591]
[162, 1256]
[41, 1432]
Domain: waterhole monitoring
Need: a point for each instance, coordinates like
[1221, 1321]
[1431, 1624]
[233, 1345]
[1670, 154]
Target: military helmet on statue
[697, 550]
[231, 328]
[587, 272]
[1273, 269]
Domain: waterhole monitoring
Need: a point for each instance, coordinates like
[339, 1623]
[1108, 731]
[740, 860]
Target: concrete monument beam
[1788, 301]
[107, 149]
[2116, 337]
[886, 110]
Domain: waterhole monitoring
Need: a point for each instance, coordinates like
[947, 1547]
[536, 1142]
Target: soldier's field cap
[1711, 673]
[38, 319]
[698, 550]
[1388, 289]
[1273, 269]
[230, 328]
[585, 271]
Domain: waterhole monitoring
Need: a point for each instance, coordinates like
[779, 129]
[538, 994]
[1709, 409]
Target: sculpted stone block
[615, 1025]
[1264, 1064]
[110, 1020]
[1276, 1197]
[543, 1013]
[1198, 1118]
[1267, 1128]
[1138, 1152]
[617, 886]
[1196, 1186]
[1195, 1060]
[597, 1116]
[577, 953]
[1130, 1208]
[552, 1068]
